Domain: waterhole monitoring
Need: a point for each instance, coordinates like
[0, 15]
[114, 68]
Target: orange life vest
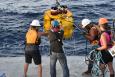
[32, 37]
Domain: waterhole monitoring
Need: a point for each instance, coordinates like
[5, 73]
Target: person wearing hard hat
[105, 42]
[91, 29]
[56, 50]
[91, 34]
[32, 47]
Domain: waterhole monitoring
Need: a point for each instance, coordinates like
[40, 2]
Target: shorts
[106, 57]
[32, 54]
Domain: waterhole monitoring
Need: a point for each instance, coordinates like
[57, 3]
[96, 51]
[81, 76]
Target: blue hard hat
[55, 23]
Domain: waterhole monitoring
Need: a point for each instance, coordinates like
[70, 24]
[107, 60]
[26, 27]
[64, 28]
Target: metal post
[113, 29]
[86, 47]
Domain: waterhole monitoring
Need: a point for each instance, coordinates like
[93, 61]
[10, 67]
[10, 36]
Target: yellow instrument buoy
[66, 20]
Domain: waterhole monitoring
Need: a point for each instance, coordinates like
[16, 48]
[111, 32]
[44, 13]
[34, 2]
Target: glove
[83, 33]
[96, 49]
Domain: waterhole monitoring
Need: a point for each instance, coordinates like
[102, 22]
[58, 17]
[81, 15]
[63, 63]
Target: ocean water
[16, 15]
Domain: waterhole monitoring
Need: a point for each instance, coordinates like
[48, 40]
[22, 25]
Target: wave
[18, 13]
[104, 5]
[15, 19]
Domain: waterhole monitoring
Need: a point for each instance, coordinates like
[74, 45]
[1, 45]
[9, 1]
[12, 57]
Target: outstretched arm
[92, 35]
[43, 34]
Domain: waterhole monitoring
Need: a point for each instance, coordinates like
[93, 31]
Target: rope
[95, 57]
[57, 3]
[86, 47]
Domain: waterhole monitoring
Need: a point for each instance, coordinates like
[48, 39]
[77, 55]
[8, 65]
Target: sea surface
[16, 15]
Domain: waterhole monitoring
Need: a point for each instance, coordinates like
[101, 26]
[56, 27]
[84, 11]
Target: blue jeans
[62, 60]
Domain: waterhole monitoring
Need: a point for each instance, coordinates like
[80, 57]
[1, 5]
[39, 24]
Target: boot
[86, 72]
[111, 75]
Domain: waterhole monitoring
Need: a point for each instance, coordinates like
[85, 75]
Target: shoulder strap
[38, 40]
[101, 34]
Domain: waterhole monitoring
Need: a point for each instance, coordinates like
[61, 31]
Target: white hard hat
[35, 23]
[85, 22]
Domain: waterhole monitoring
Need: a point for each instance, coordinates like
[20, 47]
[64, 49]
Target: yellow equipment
[66, 21]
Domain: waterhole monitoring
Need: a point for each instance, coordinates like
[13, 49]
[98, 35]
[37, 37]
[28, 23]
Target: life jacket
[32, 37]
